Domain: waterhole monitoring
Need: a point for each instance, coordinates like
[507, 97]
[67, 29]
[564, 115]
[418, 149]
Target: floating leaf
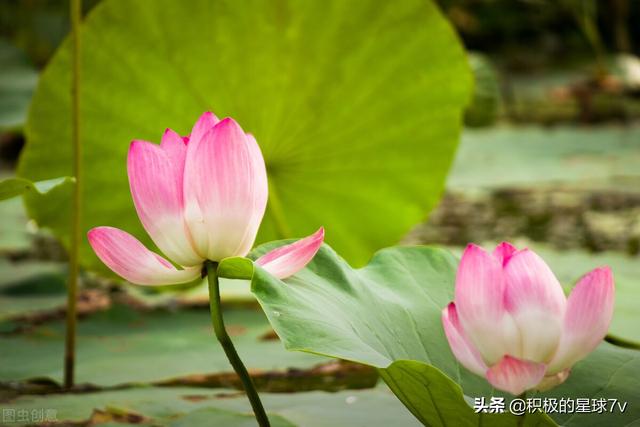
[212, 416]
[29, 287]
[503, 157]
[356, 106]
[387, 315]
[374, 407]
[122, 345]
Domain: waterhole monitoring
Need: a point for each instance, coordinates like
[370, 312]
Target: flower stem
[75, 12]
[227, 345]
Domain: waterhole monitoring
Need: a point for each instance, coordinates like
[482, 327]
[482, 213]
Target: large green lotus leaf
[387, 315]
[122, 345]
[356, 106]
[436, 400]
[361, 408]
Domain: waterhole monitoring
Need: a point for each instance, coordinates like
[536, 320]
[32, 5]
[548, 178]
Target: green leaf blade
[388, 315]
[356, 106]
[13, 187]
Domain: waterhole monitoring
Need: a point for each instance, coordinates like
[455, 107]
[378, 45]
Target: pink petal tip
[131, 260]
[287, 260]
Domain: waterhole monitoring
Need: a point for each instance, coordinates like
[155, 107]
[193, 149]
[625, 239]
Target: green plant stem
[72, 290]
[227, 345]
[621, 342]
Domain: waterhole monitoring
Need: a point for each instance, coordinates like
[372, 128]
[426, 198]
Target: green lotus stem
[621, 342]
[221, 333]
[72, 290]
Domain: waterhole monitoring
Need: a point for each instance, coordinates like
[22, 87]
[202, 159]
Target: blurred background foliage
[573, 38]
[548, 28]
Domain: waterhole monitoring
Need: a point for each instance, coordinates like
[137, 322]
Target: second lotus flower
[512, 323]
[200, 197]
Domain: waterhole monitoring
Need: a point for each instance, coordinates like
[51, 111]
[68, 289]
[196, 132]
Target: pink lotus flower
[512, 323]
[200, 197]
